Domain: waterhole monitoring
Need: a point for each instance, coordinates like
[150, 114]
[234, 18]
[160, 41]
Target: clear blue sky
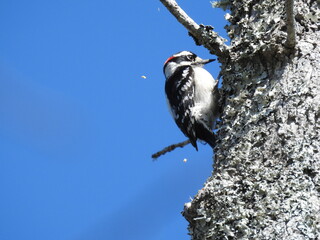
[78, 123]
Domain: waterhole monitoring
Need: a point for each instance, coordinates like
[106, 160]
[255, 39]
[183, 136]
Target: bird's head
[184, 58]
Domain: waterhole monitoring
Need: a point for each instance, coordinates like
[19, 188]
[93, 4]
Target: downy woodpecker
[192, 96]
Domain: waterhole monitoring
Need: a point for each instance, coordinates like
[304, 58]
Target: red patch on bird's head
[168, 60]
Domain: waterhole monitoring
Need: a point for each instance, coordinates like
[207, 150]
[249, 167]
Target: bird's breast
[203, 96]
[204, 85]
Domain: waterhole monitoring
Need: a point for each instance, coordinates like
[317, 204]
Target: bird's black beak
[205, 61]
[200, 61]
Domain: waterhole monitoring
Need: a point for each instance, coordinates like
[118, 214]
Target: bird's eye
[190, 58]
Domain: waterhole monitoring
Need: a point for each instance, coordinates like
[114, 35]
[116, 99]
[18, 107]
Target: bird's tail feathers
[205, 134]
[194, 143]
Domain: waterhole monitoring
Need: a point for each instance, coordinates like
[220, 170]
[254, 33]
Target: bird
[192, 96]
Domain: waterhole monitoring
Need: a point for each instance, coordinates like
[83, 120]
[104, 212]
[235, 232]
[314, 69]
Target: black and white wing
[180, 96]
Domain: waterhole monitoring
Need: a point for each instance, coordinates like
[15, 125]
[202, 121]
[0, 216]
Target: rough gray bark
[266, 183]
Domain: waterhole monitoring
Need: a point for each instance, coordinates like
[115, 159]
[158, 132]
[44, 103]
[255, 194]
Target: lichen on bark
[266, 178]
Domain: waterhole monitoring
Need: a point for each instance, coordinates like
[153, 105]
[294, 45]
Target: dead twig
[291, 32]
[169, 149]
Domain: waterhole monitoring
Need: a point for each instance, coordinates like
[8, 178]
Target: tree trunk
[266, 183]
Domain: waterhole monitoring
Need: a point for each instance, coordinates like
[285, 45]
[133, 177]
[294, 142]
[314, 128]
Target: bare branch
[291, 32]
[181, 16]
[169, 149]
[203, 34]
